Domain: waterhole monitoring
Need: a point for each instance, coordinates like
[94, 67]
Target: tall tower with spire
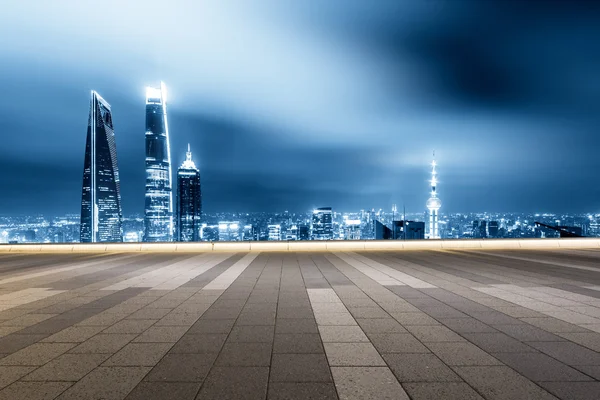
[189, 201]
[433, 204]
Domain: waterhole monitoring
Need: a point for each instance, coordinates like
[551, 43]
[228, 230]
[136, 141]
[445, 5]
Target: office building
[158, 218]
[274, 232]
[101, 216]
[322, 224]
[189, 201]
[408, 230]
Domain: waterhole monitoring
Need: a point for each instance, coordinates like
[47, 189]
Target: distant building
[101, 216]
[229, 231]
[493, 229]
[292, 233]
[249, 233]
[433, 205]
[322, 224]
[303, 232]
[209, 233]
[158, 222]
[351, 229]
[408, 230]
[274, 232]
[189, 201]
[382, 232]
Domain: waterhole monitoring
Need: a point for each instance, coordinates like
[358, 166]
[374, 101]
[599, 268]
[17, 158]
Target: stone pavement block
[244, 383]
[420, 368]
[74, 334]
[397, 343]
[591, 340]
[182, 368]
[466, 325]
[131, 326]
[221, 313]
[441, 390]
[553, 325]
[33, 390]
[358, 383]
[164, 390]
[459, 353]
[300, 368]
[301, 391]
[202, 343]
[104, 343]
[16, 341]
[352, 354]
[256, 318]
[498, 343]
[339, 319]
[568, 352]
[590, 370]
[368, 312]
[294, 312]
[436, 333]
[573, 390]
[296, 326]
[502, 383]
[149, 313]
[10, 374]
[495, 318]
[245, 355]
[68, 367]
[37, 354]
[212, 326]
[106, 383]
[415, 318]
[298, 343]
[341, 334]
[138, 355]
[380, 325]
[528, 333]
[540, 367]
[165, 334]
[252, 334]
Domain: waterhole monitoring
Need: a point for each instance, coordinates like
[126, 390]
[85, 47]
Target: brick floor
[519, 324]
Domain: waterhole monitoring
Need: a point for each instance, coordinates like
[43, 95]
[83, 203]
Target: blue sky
[293, 105]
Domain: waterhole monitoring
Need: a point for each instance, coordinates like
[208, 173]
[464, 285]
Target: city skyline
[308, 112]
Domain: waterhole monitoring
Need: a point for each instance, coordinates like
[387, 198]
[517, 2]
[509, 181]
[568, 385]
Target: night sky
[290, 105]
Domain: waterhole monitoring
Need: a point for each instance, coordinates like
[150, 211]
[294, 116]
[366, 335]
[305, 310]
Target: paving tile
[298, 343]
[528, 333]
[335, 319]
[300, 368]
[573, 390]
[397, 343]
[212, 326]
[420, 368]
[341, 334]
[498, 343]
[295, 312]
[37, 354]
[204, 343]
[104, 343]
[106, 383]
[441, 390]
[74, 334]
[164, 390]
[352, 354]
[380, 325]
[150, 313]
[235, 383]
[182, 368]
[368, 312]
[138, 355]
[10, 374]
[459, 353]
[252, 334]
[256, 318]
[131, 326]
[165, 334]
[245, 355]
[591, 340]
[437, 333]
[466, 325]
[540, 367]
[296, 326]
[301, 391]
[16, 341]
[553, 325]
[68, 367]
[568, 352]
[406, 319]
[502, 383]
[358, 383]
[33, 390]
[590, 370]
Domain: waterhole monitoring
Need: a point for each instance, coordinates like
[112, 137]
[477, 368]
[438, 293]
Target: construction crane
[564, 233]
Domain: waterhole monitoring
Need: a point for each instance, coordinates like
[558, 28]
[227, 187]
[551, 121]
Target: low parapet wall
[354, 245]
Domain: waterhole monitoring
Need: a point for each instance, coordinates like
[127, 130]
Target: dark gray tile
[205, 343]
[396, 343]
[252, 334]
[540, 367]
[573, 390]
[568, 352]
[301, 391]
[466, 325]
[245, 355]
[420, 368]
[441, 391]
[297, 343]
[164, 390]
[498, 343]
[528, 333]
[308, 325]
[300, 368]
[380, 325]
[182, 368]
[244, 383]
[212, 326]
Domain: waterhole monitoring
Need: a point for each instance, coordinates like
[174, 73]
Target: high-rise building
[274, 232]
[322, 224]
[158, 221]
[189, 201]
[433, 204]
[101, 216]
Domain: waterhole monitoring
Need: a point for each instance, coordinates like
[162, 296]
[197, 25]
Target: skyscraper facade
[322, 224]
[158, 218]
[433, 205]
[189, 201]
[101, 216]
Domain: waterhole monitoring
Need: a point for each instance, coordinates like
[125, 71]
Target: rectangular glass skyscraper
[322, 224]
[189, 201]
[101, 216]
[158, 221]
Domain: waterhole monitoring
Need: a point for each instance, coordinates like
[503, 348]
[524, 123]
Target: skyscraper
[101, 216]
[322, 224]
[433, 204]
[158, 221]
[189, 201]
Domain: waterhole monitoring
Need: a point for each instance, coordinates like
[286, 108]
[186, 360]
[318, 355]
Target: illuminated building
[189, 201]
[322, 224]
[101, 216]
[274, 232]
[229, 231]
[433, 205]
[351, 229]
[158, 218]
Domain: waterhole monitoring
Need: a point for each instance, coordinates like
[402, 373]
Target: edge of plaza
[377, 245]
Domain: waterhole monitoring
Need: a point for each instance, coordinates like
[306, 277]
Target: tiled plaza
[443, 324]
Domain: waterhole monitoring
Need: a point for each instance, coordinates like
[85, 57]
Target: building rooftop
[122, 322]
